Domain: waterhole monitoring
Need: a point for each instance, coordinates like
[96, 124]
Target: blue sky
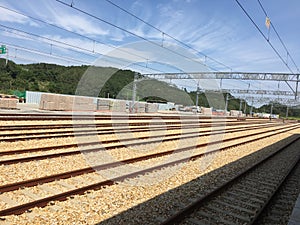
[216, 28]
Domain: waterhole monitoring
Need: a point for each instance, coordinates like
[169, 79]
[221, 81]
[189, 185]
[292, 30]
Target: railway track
[130, 142]
[242, 199]
[63, 195]
[14, 137]
[124, 125]
[280, 208]
[40, 116]
[39, 192]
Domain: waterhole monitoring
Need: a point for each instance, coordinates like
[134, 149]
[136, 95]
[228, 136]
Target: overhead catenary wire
[73, 47]
[64, 43]
[80, 35]
[268, 41]
[93, 16]
[21, 58]
[131, 33]
[70, 31]
[165, 34]
[67, 59]
[168, 35]
[280, 39]
[76, 46]
[50, 40]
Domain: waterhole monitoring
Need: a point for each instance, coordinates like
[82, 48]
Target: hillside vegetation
[112, 82]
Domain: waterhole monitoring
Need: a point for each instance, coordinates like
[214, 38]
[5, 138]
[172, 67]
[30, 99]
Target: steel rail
[189, 209]
[97, 125]
[73, 133]
[63, 196]
[41, 116]
[84, 151]
[33, 182]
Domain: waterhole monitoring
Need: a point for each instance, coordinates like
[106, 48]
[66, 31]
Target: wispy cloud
[79, 24]
[13, 17]
[67, 19]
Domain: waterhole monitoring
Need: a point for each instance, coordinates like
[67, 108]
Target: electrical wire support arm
[227, 75]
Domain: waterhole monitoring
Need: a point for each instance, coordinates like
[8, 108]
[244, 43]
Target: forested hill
[62, 79]
[39, 77]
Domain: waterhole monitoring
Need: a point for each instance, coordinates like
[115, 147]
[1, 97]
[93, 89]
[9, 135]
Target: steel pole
[226, 103]
[133, 92]
[297, 83]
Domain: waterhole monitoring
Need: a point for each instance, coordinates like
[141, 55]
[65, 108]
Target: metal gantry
[286, 77]
[255, 92]
[228, 75]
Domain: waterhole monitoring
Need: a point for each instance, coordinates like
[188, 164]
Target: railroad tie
[48, 189]
[30, 194]
[238, 201]
[79, 181]
[234, 206]
[64, 184]
[8, 201]
[228, 213]
[30, 215]
[196, 221]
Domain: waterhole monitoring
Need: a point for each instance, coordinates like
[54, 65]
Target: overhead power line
[78, 34]
[131, 33]
[70, 31]
[168, 35]
[50, 40]
[67, 59]
[280, 39]
[11, 57]
[74, 48]
[268, 41]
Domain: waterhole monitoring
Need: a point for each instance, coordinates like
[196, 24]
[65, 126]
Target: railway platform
[295, 216]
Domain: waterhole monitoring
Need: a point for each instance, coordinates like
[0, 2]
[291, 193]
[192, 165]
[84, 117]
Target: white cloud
[12, 17]
[79, 24]
[8, 16]
[68, 19]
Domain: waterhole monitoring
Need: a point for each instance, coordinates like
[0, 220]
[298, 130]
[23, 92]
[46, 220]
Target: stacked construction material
[138, 107]
[151, 108]
[49, 102]
[206, 111]
[118, 106]
[66, 103]
[83, 103]
[235, 113]
[8, 103]
[103, 104]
